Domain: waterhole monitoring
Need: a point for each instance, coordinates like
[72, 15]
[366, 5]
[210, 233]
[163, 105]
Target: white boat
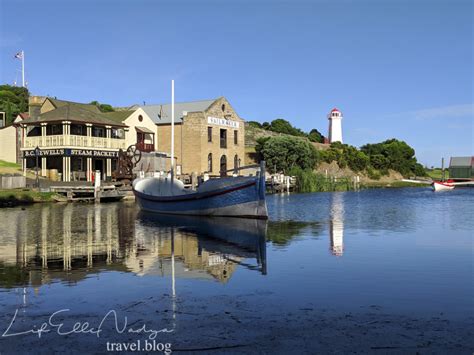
[443, 185]
[230, 196]
[242, 196]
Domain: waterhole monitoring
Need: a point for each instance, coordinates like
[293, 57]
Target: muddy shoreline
[241, 325]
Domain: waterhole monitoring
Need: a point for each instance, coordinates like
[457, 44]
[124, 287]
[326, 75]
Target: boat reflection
[216, 245]
[53, 243]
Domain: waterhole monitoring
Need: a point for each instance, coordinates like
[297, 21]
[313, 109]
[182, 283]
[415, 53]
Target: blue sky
[400, 69]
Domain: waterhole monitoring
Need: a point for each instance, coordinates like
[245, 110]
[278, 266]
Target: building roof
[461, 161]
[161, 114]
[61, 103]
[74, 113]
[24, 115]
[119, 116]
[335, 110]
[144, 130]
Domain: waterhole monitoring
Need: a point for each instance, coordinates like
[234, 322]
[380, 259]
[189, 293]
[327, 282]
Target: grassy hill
[9, 168]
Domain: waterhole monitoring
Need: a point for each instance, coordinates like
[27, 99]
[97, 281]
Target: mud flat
[249, 324]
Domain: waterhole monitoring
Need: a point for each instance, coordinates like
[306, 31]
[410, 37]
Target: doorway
[98, 164]
[223, 165]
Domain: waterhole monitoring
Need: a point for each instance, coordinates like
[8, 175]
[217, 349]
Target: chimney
[35, 103]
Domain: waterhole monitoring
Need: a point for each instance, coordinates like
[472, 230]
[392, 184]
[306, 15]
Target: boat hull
[246, 200]
[442, 186]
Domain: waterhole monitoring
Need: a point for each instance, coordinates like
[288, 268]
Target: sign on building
[222, 122]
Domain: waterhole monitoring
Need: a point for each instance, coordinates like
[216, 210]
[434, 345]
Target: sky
[395, 68]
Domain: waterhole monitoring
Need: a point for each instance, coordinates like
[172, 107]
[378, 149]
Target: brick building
[209, 135]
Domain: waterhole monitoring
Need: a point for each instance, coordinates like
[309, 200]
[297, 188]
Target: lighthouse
[335, 125]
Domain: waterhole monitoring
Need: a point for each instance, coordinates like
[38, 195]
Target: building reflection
[68, 242]
[336, 224]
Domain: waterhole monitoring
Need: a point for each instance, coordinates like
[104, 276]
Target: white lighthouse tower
[335, 125]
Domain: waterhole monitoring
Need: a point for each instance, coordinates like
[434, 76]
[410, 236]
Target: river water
[400, 252]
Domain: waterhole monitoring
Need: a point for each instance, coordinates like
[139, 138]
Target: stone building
[209, 135]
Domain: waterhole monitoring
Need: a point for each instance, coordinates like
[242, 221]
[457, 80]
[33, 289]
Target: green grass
[437, 174]
[16, 197]
[309, 181]
[5, 164]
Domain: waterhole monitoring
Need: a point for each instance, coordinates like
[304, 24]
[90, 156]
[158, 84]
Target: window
[54, 129]
[140, 118]
[209, 163]
[236, 137]
[78, 130]
[209, 134]
[223, 107]
[223, 136]
[117, 133]
[98, 132]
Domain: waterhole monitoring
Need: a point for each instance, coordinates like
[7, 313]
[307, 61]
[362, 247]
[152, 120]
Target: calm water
[408, 251]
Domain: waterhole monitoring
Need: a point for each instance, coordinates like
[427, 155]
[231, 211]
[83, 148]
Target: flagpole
[23, 67]
[172, 130]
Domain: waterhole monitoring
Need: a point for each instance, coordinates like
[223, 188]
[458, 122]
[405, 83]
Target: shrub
[283, 153]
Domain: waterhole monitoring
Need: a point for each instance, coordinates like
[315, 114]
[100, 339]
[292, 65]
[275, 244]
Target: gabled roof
[118, 116]
[61, 103]
[161, 114]
[74, 113]
[461, 161]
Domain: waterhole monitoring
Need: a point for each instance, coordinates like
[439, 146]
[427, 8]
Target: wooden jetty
[90, 193]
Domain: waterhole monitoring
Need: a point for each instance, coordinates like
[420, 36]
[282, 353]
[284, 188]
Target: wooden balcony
[145, 147]
[72, 141]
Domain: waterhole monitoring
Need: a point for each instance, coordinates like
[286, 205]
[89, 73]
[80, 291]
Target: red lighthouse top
[335, 110]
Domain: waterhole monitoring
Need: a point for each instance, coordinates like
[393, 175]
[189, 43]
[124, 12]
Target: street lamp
[37, 154]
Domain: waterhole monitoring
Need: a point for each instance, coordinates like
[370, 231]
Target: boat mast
[172, 131]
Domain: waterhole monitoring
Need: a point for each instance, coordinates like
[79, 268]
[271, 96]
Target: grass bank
[5, 164]
[437, 174]
[310, 181]
[17, 197]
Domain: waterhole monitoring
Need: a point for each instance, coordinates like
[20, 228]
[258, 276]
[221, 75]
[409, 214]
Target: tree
[283, 153]
[283, 126]
[315, 136]
[266, 125]
[13, 100]
[255, 124]
[102, 107]
[393, 154]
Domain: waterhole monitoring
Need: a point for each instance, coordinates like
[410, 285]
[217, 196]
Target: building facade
[141, 128]
[72, 139]
[209, 135]
[461, 168]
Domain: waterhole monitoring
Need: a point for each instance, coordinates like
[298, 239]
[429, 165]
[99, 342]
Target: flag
[19, 55]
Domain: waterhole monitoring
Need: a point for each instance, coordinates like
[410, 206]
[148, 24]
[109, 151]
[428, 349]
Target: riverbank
[248, 324]
[17, 197]
[394, 184]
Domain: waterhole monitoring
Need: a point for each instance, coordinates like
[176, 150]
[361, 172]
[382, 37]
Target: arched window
[209, 163]
[223, 165]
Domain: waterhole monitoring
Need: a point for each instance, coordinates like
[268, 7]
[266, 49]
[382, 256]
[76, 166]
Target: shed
[461, 168]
